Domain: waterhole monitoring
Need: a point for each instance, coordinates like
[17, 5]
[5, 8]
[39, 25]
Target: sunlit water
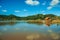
[28, 31]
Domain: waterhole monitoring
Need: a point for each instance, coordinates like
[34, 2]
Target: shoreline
[42, 21]
[30, 21]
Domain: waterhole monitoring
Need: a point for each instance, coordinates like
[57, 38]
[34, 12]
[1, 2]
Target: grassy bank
[55, 21]
[35, 21]
[42, 21]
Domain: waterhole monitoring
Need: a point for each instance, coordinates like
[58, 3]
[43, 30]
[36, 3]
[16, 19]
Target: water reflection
[58, 24]
[7, 23]
[54, 36]
[16, 28]
[33, 37]
[29, 31]
[4, 29]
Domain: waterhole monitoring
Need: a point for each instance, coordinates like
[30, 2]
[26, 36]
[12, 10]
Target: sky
[29, 7]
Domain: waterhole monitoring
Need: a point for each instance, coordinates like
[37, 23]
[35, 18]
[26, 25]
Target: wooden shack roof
[47, 18]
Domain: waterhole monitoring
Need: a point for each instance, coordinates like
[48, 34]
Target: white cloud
[31, 2]
[50, 7]
[52, 4]
[4, 10]
[24, 10]
[17, 11]
[42, 11]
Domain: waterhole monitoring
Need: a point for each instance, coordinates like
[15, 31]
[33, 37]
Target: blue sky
[29, 7]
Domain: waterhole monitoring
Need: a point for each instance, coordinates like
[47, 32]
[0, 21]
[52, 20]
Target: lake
[29, 31]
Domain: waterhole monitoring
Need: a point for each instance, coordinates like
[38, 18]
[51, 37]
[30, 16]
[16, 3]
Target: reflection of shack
[47, 21]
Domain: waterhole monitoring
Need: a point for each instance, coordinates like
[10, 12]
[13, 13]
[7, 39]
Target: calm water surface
[28, 31]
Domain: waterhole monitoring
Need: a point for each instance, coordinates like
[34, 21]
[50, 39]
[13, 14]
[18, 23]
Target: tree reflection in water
[7, 23]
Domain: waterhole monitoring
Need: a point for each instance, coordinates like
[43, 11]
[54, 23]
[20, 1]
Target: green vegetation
[9, 17]
[33, 17]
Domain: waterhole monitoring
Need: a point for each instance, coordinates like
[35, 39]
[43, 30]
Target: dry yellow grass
[42, 21]
[35, 21]
[55, 21]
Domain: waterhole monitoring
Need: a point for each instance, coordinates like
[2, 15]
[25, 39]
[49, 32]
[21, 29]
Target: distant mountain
[40, 16]
[9, 17]
[33, 17]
